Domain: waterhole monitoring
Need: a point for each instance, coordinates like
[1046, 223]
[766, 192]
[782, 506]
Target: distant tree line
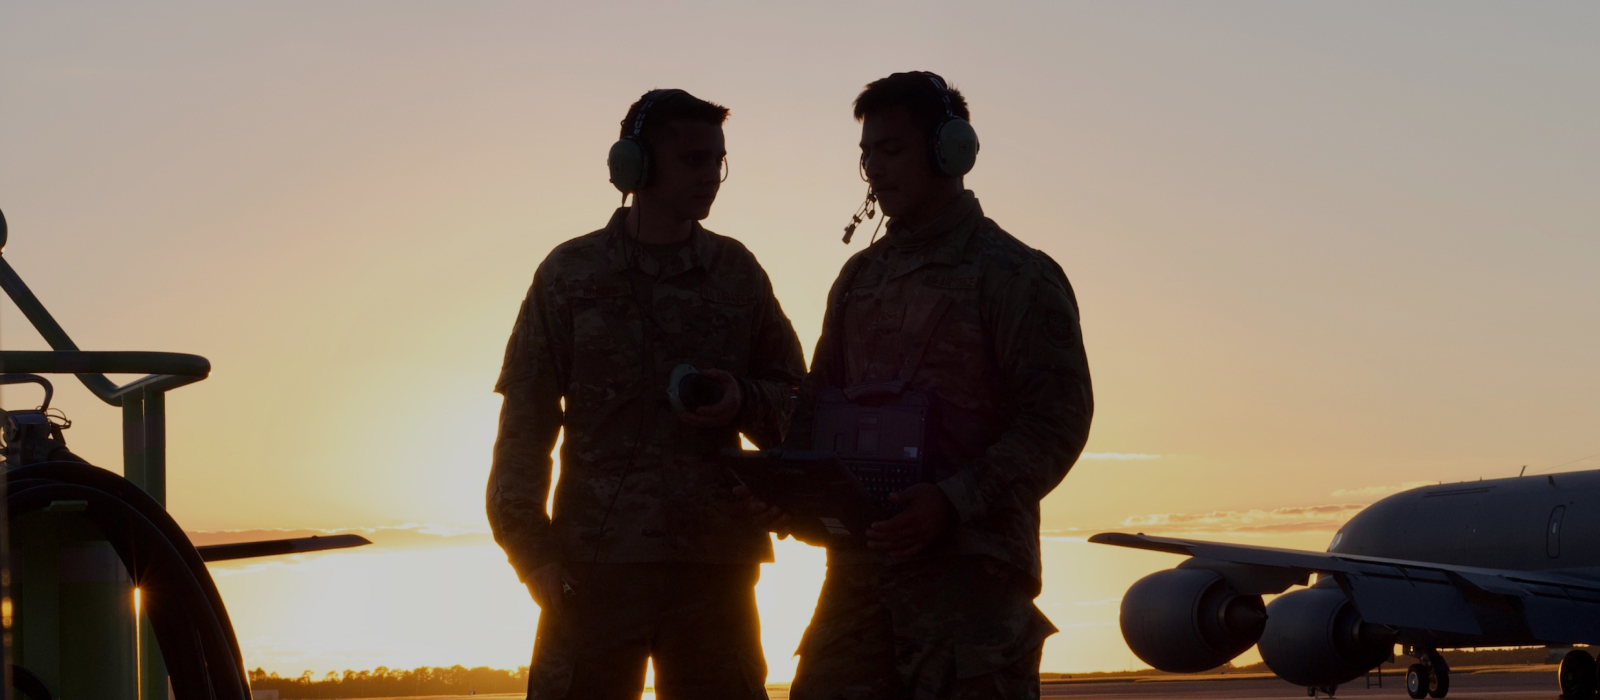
[383, 682]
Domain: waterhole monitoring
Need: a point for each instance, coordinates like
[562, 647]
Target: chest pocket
[959, 341]
[600, 314]
[909, 323]
[718, 328]
[886, 316]
[873, 312]
[605, 335]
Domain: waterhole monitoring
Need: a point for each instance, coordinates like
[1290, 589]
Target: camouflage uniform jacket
[586, 356]
[1004, 363]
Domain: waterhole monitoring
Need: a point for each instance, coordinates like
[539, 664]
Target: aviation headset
[629, 159]
[955, 142]
[953, 150]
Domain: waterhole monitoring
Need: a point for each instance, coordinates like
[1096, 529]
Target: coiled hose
[191, 625]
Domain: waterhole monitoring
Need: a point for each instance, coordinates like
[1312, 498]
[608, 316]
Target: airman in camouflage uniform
[658, 558]
[959, 309]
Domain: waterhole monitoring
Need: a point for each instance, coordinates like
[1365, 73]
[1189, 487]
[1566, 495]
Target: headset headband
[944, 93]
[647, 101]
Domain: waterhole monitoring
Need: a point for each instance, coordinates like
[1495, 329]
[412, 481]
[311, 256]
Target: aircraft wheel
[1439, 681]
[1577, 675]
[1438, 674]
[1417, 681]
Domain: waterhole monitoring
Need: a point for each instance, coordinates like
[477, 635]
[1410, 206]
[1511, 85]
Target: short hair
[916, 92]
[680, 107]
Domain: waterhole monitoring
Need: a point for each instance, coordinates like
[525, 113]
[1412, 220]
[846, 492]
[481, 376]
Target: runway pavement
[1474, 686]
[1539, 685]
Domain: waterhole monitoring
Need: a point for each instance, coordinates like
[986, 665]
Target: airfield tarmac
[1483, 685]
[1477, 686]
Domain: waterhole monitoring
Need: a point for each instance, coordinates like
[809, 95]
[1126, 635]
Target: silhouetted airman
[649, 554]
[940, 602]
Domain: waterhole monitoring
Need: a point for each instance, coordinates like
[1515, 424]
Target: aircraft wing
[1417, 595]
[267, 548]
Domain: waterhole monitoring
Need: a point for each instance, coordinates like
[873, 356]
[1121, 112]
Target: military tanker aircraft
[1499, 563]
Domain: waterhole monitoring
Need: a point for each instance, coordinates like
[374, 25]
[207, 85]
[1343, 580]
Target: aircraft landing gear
[1417, 681]
[1431, 677]
[1577, 675]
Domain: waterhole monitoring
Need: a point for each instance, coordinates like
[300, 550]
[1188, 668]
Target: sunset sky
[1323, 252]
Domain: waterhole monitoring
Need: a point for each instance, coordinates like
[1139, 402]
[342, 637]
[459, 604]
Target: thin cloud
[1326, 518]
[1298, 519]
[1118, 456]
[1368, 491]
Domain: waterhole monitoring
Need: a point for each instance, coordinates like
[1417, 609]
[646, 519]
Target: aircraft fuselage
[1532, 523]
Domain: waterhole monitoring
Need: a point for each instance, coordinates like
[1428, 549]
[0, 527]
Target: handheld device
[688, 389]
[825, 501]
[879, 433]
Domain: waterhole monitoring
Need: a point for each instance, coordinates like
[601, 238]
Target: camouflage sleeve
[776, 368]
[1033, 323]
[530, 419]
[824, 362]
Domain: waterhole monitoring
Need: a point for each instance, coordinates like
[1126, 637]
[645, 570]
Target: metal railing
[143, 401]
[144, 434]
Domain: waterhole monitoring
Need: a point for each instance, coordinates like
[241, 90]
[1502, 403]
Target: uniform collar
[943, 239]
[619, 241]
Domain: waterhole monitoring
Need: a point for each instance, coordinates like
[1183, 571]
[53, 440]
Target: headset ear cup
[628, 166]
[955, 150]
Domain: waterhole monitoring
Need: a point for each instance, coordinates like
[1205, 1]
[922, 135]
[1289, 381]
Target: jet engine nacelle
[1188, 620]
[1316, 638]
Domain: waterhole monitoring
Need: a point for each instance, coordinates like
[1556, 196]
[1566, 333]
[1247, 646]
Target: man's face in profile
[896, 151]
[686, 169]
